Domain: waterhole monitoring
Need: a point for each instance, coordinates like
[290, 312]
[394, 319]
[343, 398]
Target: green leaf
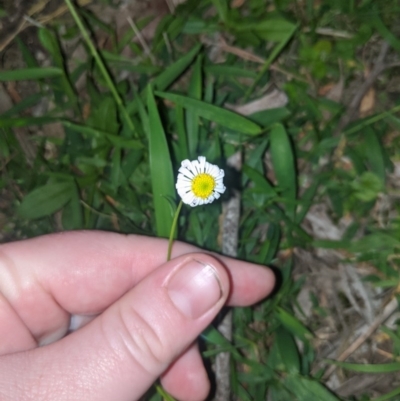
[272, 29]
[44, 201]
[162, 177]
[388, 396]
[166, 78]
[306, 389]
[72, 217]
[192, 118]
[260, 181]
[287, 350]
[284, 166]
[293, 324]
[368, 368]
[25, 121]
[210, 112]
[30, 73]
[367, 187]
[374, 153]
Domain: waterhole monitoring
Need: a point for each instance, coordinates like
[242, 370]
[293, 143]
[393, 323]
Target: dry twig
[230, 232]
[388, 310]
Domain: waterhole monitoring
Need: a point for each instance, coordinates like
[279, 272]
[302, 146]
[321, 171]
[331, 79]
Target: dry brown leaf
[272, 100]
[367, 104]
[323, 90]
[336, 92]
[237, 3]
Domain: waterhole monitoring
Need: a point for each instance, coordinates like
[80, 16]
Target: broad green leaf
[284, 166]
[30, 73]
[162, 177]
[287, 350]
[210, 112]
[293, 324]
[45, 200]
[367, 187]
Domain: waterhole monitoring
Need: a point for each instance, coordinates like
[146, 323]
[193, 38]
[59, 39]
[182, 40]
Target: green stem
[100, 64]
[173, 229]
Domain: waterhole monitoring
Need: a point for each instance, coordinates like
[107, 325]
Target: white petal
[186, 172]
[202, 163]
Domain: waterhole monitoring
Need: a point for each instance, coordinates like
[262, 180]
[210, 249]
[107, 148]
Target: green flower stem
[164, 394]
[173, 229]
[100, 64]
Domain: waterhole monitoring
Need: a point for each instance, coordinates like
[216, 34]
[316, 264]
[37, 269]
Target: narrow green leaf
[30, 73]
[229, 71]
[368, 368]
[260, 181]
[180, 129]
[96, 133]
[162, 178]
[166, 78]
[210, 112]
[293, 324]
[306, 389]
[25, 121]
[306, 200]
[284, 166]
[388, 396]
[192, 118]
[45, 200]
[374, 153]
[72, 217]
[274, 53]
[384, 31]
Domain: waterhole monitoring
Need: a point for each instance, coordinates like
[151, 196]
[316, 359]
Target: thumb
[124, 350]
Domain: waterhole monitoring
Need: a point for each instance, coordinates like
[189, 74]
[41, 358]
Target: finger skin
[119, 354]
[45, 279]
[186, 379]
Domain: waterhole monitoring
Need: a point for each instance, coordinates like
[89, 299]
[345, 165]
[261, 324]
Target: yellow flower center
[203, 185]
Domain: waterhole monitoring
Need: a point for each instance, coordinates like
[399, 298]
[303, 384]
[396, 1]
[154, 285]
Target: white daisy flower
[199, 182]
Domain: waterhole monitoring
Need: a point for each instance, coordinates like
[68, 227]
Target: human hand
[136, 316]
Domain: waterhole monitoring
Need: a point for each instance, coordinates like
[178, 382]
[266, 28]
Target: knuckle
[140, 339]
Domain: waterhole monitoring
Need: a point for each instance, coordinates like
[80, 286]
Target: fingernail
[194, 288]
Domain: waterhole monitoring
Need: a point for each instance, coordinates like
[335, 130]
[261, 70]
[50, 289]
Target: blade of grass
[275, 52]
[100, 64]
[368, 368]
[162, 178]
[30, 73]
[166, 78]
[284, 166]
[192, 118]
[210, 112]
